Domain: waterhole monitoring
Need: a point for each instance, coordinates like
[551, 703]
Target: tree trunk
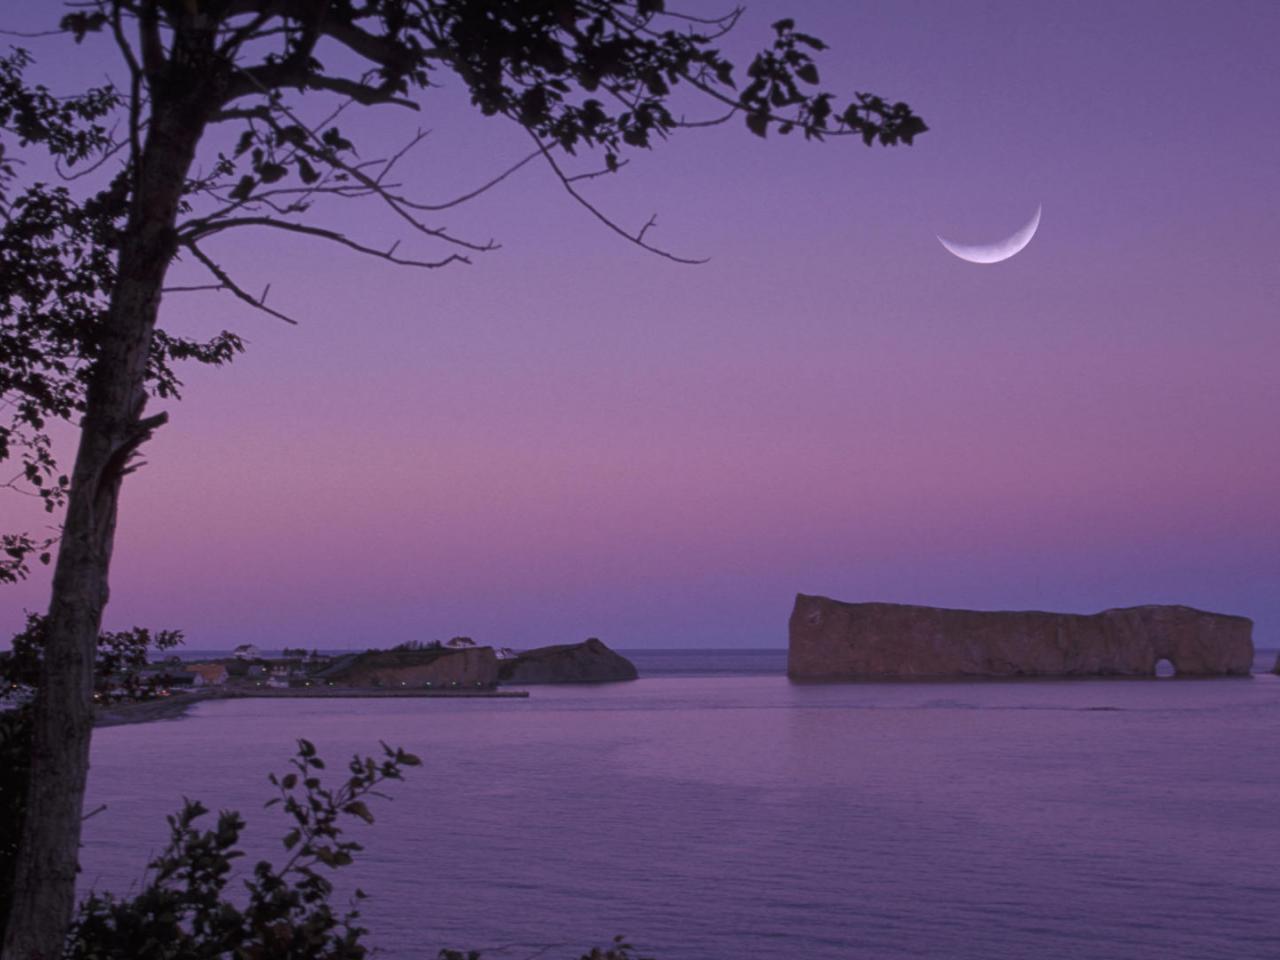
[111, 431]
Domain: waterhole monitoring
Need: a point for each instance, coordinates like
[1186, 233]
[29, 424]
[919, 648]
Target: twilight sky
[571, 437]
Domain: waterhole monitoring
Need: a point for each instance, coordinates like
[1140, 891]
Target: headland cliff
[831, 640]
[587, 662]
[479, 667]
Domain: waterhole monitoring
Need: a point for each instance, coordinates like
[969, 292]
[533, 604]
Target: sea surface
[714, 811]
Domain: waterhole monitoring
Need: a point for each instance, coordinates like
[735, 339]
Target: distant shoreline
[176, 706]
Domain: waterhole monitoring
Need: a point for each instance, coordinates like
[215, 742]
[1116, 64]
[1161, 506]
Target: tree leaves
[535, 62]
[187, 908]
[526, 64]
[119, 660]
[57, 270]
[83, 22]
[359, 809]
[243, 188]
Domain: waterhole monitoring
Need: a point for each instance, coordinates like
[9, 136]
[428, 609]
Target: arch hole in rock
[1165, 668]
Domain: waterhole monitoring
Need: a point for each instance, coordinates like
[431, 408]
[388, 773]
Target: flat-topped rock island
[830, 640]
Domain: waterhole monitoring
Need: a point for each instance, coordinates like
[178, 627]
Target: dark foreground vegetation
[233, 115]
[195, 901]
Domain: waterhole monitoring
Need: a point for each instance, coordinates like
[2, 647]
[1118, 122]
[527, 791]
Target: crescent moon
[1000, 250]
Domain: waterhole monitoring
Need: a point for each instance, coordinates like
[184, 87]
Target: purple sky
[574, 438]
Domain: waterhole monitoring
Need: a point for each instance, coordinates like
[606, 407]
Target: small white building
[246, 651]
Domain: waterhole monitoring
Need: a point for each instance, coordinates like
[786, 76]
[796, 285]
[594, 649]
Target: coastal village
[459, 665]
[457, 668]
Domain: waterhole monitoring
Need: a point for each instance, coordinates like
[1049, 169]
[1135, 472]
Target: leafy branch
[184, 910]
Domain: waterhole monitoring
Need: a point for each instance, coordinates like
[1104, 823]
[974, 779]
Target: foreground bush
[183, 911]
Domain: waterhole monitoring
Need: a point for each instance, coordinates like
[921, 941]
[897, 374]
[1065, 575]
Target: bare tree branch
[471, 195]
[635, 238]
[33, 34]
[317, 150]
[241, 35]
[107, 154]
[603, 172]
[334, 236]
[228, 284]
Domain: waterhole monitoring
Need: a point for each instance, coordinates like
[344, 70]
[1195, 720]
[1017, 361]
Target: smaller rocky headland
[436, 667]
[831, 640]
[587, 662]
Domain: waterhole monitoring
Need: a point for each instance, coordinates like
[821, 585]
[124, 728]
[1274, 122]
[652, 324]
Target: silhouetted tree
[119, 660]
[253, 87]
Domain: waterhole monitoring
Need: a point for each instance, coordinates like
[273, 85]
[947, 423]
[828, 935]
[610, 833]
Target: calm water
[713, 810]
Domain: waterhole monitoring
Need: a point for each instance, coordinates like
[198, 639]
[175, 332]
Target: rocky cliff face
[472, 667]
[588, 662]
[830, 640]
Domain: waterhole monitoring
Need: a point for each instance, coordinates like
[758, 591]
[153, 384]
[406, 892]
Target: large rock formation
[830, 640]
[588, 662]
[472, 667]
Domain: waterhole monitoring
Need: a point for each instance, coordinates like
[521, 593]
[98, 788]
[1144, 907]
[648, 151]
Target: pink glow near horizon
[571, 438]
